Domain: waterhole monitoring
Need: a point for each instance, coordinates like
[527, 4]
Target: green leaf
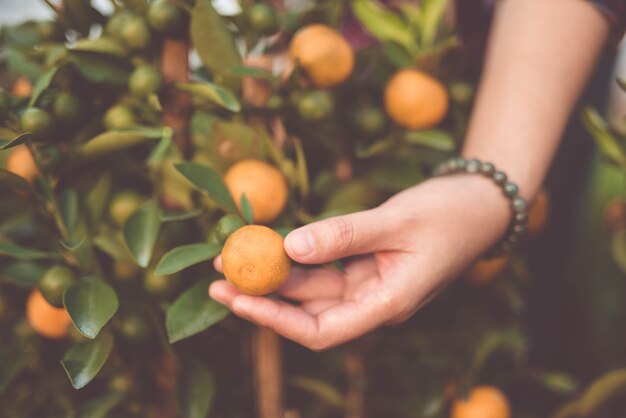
[141, 231]
[246, 210]
[212, 39]
[70, 211]
[81, 15]
[21, 63]
[102, 68]
[21, 273]
[559, 382]
[255, 72]
[196, 389]
[435, 139]
[14, 183]
[193, 312]
[432, 15]
[91, 303]
[208, 182]
[112, 245]
[601, 391]
[213, 93]
[383, 24]
[18, 140]
[302, 173]
[509, 339]
[175, 216]
[98, 197]
[600, 131]
[113, 141]
[83, 362]
[101, 406]
[106, 46]
[42, 84]
[12, 360]
[22, 253]
[320, 389]
[184, 256]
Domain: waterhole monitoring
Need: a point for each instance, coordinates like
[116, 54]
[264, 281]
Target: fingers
[217, 263]
[311, 284]
[319, 326]
[339, 237]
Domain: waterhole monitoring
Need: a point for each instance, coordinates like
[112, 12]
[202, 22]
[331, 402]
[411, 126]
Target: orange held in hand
[45, 319]
[415, 100]
[264, 185]
[254, 260]
[483, 402]
[21, 162]
[323, 53]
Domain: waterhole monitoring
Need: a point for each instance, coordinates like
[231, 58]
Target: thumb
[338, 237]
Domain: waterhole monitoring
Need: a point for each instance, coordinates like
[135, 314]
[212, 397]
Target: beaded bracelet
[510, 190]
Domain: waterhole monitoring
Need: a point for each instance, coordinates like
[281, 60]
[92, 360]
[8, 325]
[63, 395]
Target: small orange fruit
[254, 260]
[415, 100]
[483, 402]
[487, 269]
[45, 319]
[21, 162]
[264, 185]
[538, 213]
[323, 53]
[22, 87]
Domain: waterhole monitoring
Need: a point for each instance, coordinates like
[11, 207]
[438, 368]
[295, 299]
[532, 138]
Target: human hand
[402, 253]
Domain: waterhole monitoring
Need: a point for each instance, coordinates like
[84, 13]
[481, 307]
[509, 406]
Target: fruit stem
[268, 377]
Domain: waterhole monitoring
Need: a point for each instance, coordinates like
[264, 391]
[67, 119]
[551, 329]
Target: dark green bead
[487, 169]
[519, 229]
[510, 189]
[521, 218]
[472, 166]
[452, 165]
[499, 177]
[519, 205]
[461, 162]
[513, 239]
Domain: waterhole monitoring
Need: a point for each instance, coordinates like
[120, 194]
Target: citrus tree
[136, 143]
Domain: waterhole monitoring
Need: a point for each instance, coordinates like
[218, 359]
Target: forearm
[540, 55]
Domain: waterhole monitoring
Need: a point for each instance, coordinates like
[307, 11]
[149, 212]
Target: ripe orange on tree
[323, 53]
[21, 162]
[45, 319]
[264, 185]
[254, 260]
[486, 269]
[415, 100]
[482, 402]
[22, 87]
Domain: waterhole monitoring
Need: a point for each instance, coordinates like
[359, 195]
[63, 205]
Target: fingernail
[300, 242]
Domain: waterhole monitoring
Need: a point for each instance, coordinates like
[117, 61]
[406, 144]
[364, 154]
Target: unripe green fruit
[121, 383]
[226, 226]
[134, 327]
[54, 283]
[125, 270]
[144, 81]
[262, 19]
[119, 117]
[38, 122]
[67, 108]
[165, 17]
[116, 23]
[369, 120]
[461, 92]
[123, 205]
[315, 105]
[135, 33]
[160, 286]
